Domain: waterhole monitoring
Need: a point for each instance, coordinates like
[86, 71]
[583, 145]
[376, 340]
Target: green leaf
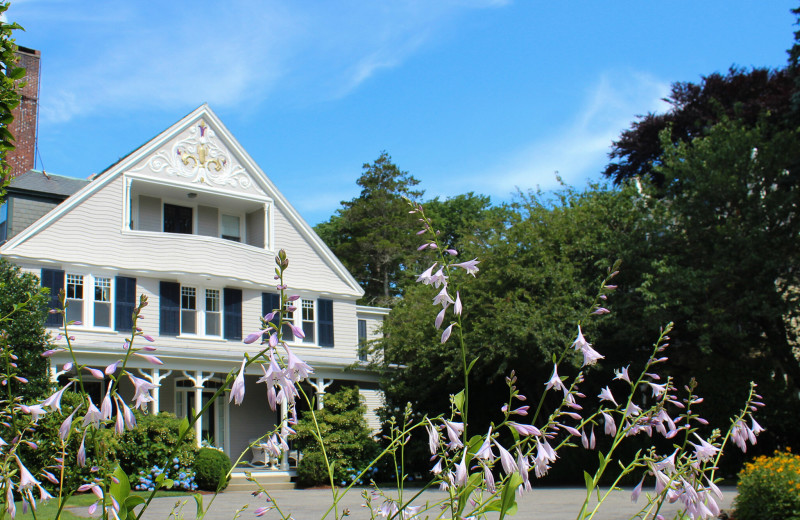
[602, 459]
[508, 497]
[458, 400]
[121, 489]
[589, 481]
[472, 364]
[183, 427]
[198, 498]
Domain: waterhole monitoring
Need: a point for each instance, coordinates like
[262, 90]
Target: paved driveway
[540, 504]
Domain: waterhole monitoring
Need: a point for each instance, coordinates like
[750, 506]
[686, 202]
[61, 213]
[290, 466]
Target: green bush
[769, 488]
[348, 441]
[153, 442]
[211, 468]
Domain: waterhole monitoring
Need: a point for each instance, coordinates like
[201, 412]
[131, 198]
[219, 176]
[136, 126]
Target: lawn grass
[47, 510]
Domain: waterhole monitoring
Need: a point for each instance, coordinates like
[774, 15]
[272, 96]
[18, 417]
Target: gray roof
[35, 180]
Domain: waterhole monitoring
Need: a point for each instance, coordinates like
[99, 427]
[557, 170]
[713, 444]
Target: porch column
[155, 378]
[319, 391]
[198, 380]
[284, 418]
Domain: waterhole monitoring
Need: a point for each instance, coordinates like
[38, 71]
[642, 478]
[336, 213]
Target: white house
[191, 221]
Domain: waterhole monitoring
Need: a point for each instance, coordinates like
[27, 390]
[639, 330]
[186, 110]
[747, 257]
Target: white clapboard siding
[373, 400]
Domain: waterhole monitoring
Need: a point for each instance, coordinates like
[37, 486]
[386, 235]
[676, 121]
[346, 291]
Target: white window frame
[189, 292]
[89, 281]
[102, 282]
[242, 218]
[200, 310]
[206, 312]
[308, 304]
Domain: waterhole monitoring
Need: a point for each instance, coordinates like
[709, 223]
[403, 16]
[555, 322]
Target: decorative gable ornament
[200, 158]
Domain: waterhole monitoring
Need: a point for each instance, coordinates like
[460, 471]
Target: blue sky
[471, 95]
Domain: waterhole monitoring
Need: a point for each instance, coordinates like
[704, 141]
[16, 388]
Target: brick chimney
[22, 158]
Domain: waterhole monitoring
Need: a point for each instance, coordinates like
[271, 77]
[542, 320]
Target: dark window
[170, 308]
[53, 279]
[124, 303]
[325, 322]
[362, 340]
[177, 219]
[232, 306]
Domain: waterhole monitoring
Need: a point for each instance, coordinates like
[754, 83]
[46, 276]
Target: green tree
[349, 445]
[368, 234]
[10, 75]
[25, 333]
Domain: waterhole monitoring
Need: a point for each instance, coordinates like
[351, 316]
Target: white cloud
[578, 150]
[123, 56]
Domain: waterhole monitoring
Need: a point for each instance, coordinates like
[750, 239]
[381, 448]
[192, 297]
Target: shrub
[211, 468]
[348, 440]
[152, 442]
[769, 488]
[183, 477]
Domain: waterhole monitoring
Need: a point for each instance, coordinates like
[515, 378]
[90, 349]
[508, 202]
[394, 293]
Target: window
[102, 302]
[212, 312]
[231, 229]
[309, 324]
[75, 297]
[177, 219]
[288, 335]
[362, 340]
[188, 310]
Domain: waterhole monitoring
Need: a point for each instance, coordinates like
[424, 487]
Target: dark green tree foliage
[10, 75]
[348, 440]
[25, 333]
[747, 96]
[369, 233]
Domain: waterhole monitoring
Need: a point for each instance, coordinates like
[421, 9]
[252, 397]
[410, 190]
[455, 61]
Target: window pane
[75, 310]
[177, 219]
[212, 300]
[102, 289]
[212, 324]
[102, 314]
[75, 286]
[188, 298]
[188, 322]
[230, 228]
[308, 321]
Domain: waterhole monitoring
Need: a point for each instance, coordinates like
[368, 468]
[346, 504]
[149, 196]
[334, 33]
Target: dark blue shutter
[232, 305]
[269, 303]
[124, 303]
[53, 279]
[169, 309]
[325, 322]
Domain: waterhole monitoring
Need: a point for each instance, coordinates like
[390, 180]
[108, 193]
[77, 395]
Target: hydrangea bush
[482, 472]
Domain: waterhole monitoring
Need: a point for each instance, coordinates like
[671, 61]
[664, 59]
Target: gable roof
[131, 160]
[47, 183]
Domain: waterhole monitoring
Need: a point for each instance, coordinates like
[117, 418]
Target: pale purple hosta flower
[555, 381]
[440, 317]
[254, 336]
[755, 427]
[426, 276]
[457, 308]
[150, 359]
[110, 369]
[433, 436]
[637, 491]
[506, 459]
[67, 366]
[488, 478]
[127, 414]
[606, 395]
[572, 431]
[454, 431]
[600, 311]
[667, 463]
[35, 411]
[632, 410]
[50, 352]
[622, 374]
[485, 451]
[437, 468]
[141, 391]
[451, 252]
[610, 427]
[261, 511]
[297, 331]
[97, 374]
[590, 356]
[523, 466]
[237, 389]
[81, 456]
[10, 505]
[588, 441]
[658, 390]
[297, 368]
[54, 401]
[439, 278]
[49, 476]
[443, 298]
[446, 333]
[26, 480]
[105, 406]
[461, 471]
[470, 266]
[525, 429]
[66, 426]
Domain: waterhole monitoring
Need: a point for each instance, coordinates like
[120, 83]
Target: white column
[198, 380]
[284, 418]
[319, 391]
[155, 377]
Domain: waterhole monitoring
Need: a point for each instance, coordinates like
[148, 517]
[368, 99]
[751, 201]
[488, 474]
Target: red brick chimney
[22, 158]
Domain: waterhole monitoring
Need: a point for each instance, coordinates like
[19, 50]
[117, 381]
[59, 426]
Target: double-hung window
[231, 228]
[212, 313]
[102, 302]
[309, 324]
[188, 310]
[75, 297]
